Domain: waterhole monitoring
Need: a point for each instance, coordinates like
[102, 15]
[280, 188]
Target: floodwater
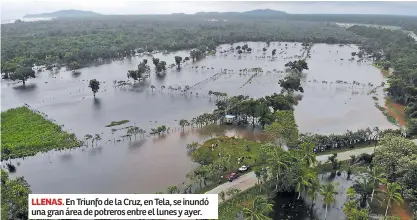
[287, 206]
[151, 164]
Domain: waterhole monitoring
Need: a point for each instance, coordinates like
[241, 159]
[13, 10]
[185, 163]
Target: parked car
[244, 168]
[232, 176]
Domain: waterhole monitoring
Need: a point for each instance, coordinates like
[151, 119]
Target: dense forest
[397, 50]
[79, 42]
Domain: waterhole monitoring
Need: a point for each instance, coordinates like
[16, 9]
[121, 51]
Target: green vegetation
[229, 208]
[159, 130]
[394, 48]
[324, 144]
[14, 197]
[284, 129]
[94, 85]
[229, 147]
[142, 72]
[26, 132]
[398, 158]
[115, 123]
[22, 74]
[87, 40]
[291, 171]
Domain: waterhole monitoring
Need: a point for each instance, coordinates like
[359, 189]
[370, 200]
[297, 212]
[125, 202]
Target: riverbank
[396, 110]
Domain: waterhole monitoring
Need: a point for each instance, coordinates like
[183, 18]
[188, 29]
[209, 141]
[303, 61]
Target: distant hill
[253, 13]
[264, 12]
[63, 13]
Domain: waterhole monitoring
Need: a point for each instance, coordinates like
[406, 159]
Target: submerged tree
[178, 60]
[23, 74]
[141, 72]
[155, 61]
[133, 131]
[298, 65]
[160, 66]
[94, 85]
[290, 84]
[183, 123]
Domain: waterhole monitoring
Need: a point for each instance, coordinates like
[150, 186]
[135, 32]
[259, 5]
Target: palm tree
[377, 176]
[258, 209]
[173, 190]
[279, 160]
[312, 191]
[328, 191]
[308, 155]
[183, 123]
[349, 207]
[393, 194]
[304, 180]
[351, 193]
[364, 187]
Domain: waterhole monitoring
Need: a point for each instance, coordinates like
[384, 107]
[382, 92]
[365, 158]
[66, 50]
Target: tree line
[79, 42]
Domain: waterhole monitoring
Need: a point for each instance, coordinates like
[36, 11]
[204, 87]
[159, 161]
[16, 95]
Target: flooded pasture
[150, 164]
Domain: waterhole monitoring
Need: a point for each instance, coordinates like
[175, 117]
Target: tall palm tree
[364, 187]
[279, 160]
[312, 191]
[377, 176]
[328, 191]
[393, 194]
[308, 156]
[258, 209]
[304, 180]
[349, 207]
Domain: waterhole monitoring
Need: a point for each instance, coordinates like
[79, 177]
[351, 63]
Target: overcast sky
[13, 9]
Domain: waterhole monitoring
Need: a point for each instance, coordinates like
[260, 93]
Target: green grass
[26, 133]
[235, 147]
[115, 123]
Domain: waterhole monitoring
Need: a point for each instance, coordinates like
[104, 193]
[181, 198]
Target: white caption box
[123, 206]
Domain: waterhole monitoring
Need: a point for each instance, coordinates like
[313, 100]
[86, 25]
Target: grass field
[25, 133]
[235, 147]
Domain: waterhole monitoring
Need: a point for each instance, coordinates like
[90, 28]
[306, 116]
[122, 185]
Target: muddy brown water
[153, 163]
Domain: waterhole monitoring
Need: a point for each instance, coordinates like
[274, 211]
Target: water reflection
[96, 103]
[287, 206]
[27, 88]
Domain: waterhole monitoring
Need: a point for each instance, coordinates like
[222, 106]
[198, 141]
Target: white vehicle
[243, 168]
